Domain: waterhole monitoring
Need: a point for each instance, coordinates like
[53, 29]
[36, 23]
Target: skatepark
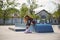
[41, 19]
[7, 34]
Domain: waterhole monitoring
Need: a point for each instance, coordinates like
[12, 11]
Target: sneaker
[28, 31]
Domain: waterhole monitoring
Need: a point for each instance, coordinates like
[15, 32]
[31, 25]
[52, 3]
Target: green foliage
[34, 16]
[23, 10]
[33, 5]
[49, 17]
[57, 14]
[12, 3]
[12, 10]
[1, 3]
[1, 15]
[9, 12]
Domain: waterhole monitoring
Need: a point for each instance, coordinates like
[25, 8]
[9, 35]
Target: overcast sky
[50, 5]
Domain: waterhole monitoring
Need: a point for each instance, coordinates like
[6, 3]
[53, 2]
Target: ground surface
[6, 34]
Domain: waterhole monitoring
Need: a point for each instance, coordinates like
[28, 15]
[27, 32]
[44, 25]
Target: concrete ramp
[14, 28]
[38, 28]
[56, 28]
[44, 28]
[18, 27]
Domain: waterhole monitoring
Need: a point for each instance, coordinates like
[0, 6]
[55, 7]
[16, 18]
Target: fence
[10, 21]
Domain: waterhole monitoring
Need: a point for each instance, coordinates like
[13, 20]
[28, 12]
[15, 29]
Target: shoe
[27, 31]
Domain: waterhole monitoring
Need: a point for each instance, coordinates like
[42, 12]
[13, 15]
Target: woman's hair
[28, 18]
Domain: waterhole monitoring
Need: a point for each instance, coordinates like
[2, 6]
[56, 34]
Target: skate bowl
[43, 28]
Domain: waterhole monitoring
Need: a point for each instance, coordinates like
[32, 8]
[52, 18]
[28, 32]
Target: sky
[49, 5]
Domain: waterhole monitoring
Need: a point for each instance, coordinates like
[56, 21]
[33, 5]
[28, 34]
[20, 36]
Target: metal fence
[10, 21]
[13, 21]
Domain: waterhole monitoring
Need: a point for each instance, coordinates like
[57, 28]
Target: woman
[28, 20]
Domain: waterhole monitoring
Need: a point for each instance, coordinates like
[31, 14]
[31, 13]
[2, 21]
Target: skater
[28, 20]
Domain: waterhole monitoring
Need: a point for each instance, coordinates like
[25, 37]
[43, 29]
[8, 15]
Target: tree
[9, 8]
[10, 4]
[9, 12]
[23, 11]
[33, 5]
[1, 11]
[57, 13]
[1, 3]
[34, 16]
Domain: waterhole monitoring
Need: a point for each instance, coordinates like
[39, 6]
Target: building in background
[45, 16]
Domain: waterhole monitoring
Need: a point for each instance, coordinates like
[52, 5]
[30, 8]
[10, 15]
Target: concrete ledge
[43, 28]
[17, 28]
